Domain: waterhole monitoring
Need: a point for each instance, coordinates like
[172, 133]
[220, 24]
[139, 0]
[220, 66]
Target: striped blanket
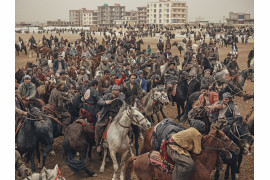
[156, 159]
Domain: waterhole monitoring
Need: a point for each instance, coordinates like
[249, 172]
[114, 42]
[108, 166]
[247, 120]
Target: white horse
[47, 174]
[99, 73]
[221, 76]
[117, 139]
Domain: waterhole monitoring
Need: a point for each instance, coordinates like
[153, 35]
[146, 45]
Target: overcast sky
[43, 10]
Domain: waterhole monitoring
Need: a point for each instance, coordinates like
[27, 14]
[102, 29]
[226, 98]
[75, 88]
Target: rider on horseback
[56, 100]
[171, 76]
[107, 114]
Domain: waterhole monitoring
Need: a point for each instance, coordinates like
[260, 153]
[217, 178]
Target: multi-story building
[239, 18]
[108, 14]
[83, 17]
[141, 14]
[167, 12]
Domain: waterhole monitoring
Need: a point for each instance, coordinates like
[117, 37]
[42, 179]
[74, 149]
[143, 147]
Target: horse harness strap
[54, 118]
[216, 148]
[239, 136]
[19, 127]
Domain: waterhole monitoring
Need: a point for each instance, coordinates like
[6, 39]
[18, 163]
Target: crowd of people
[117, 68]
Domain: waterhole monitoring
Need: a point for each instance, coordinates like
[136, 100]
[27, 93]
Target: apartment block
[108, 14]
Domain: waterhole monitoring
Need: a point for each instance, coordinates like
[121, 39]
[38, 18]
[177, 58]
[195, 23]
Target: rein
[137, 122]
[216, 148]
[238, 136]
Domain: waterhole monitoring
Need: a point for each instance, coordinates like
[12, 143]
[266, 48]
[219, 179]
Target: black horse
[45, 132]
[194, 85]
[138, 45]
[160, 47]
[181, 93]
[239, 133]
[25, 138]
[74, 107]
[190, 100]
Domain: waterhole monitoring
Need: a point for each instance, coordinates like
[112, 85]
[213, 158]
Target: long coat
[27, 90]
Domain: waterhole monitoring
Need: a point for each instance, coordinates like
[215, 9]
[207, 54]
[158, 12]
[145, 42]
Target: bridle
[219, 140]
[239, 137]
[135, 121]
[59, 175]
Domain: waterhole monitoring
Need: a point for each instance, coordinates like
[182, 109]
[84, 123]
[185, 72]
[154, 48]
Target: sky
[42, 11]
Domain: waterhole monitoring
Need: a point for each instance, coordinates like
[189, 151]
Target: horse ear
[56, 167]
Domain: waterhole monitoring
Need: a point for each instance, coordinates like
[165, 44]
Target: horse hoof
[52, 153]
[101, 169]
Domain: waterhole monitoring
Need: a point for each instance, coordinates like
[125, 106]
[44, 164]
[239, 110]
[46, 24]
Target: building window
[160, 5]
[160, 10]
[154, 21]
[160, 21]
[167, 15]
[154, 10]
[167, 10]
[155, 5]
[168, 5]
[167, 21]
[160, 15]
[155, 16]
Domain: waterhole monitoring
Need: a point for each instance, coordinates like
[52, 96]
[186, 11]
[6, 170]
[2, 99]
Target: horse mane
[120, 113]
[146, 98]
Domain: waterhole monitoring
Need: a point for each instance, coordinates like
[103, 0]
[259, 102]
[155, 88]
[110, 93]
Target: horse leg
[178, 111]
[158, 117]
[162, 113]
[240, 157]
[136, 137]
[38, 154]
[115, 164]
[33, 161]
[153, 120]
[233, 168]
[227, 172]
[122, 164]
[46, 152]
[102, 168]
[216, 175]
[183, 108]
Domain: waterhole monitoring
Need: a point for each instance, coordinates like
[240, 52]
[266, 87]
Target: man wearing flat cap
[27, 89]
[208, 80]
[43, 63]
[227, 110]
[82, 78]
[67, 81]
[59, 65]
[171, 76]
[111, 104]
[90, 98]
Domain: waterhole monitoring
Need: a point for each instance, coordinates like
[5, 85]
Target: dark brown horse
[19, 75]
[180, 48]
[78, 137]
[205, 162]
[47, 51]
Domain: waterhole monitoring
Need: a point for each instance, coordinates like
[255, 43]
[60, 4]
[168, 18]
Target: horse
[181, 93]
[180, 46]
[78, 137]
[239, 133]
[72, 72]
[250, 120]
[138, 45]
[190, 101]
[117, 139]
[99, 73]
[36, 50]
[44, 91]
[25, 138]
[160, 46]
[18, 49]
[46, 174]
[19, 75]
[221, 77]
[153, 102]
[200, 113]
[47, 51]
[45, 131]
[205, 162]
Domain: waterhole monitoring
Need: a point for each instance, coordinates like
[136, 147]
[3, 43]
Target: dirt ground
[247, 167]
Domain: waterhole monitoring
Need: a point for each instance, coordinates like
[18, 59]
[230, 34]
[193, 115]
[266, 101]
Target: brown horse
[47, 51]
[147, 144]
[72, 72]
[180, 48]
[205, 162]
[78, 136]
[44, 91]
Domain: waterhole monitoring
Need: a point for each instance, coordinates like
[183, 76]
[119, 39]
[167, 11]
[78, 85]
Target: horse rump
[129, 167]
[68, 156]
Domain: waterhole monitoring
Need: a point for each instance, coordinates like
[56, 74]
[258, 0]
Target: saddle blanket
[156, 159]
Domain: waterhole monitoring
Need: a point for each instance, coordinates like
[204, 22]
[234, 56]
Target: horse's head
[163, 96]
[51, 173]
[240, 132]
[137, 118]
[221, 142]
[35, 114]
[174, 43]
[251, 74]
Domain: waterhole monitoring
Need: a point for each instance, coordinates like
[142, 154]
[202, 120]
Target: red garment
[213, 98]
[41, 77]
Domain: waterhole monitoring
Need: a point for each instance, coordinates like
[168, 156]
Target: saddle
[162, 159]
[86, 124]
[49, 110]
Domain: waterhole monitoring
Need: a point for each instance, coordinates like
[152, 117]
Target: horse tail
[68, 156]
[128, 167]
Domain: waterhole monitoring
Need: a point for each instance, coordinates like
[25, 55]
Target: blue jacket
[143, 84]
[56, 65]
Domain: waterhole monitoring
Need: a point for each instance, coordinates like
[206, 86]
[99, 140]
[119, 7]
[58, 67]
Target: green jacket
[27, 91]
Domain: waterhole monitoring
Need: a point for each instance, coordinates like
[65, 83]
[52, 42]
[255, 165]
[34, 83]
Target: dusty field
[247, 168]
